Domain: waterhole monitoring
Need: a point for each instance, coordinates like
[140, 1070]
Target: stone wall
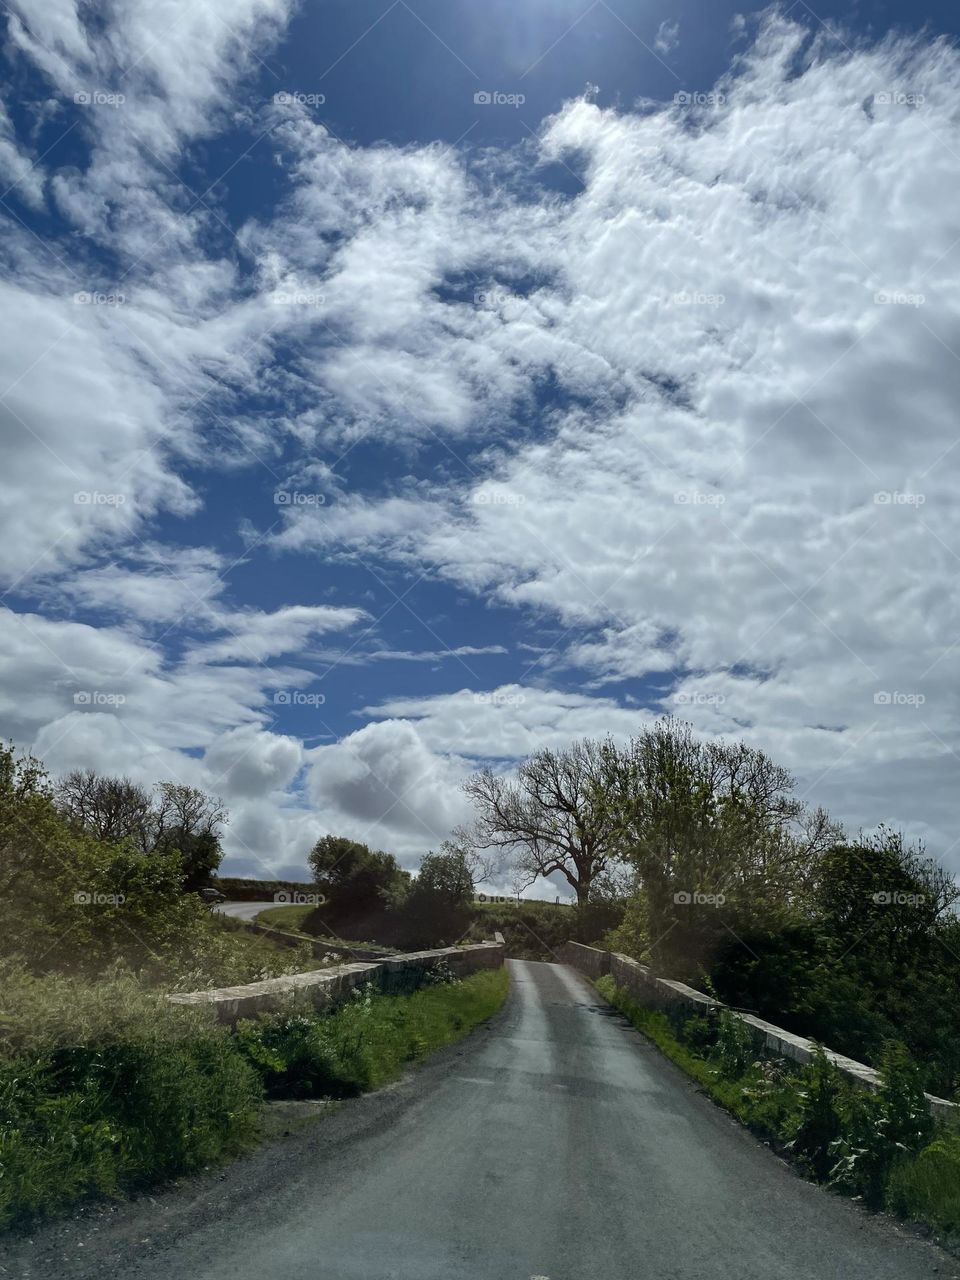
[319, 950]
[588, 960]
[663, 993]
[325, 988]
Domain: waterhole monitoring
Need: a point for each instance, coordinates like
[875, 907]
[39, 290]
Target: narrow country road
[243, 910]
[557, 1143]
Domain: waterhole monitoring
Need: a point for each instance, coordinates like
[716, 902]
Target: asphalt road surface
[555, 1144]
[244, 910]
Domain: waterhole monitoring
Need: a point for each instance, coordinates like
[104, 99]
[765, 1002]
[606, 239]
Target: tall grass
[105, 1087]
[368, 1041]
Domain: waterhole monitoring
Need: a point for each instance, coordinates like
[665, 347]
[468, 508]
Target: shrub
[106, 1087]
[928, 1187]
[823, 1100]
[368, 1040]
[883, 1129]
[734, 1050]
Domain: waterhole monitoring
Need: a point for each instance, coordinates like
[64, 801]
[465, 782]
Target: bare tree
[552, 818]
[190, 821]
[111, 809]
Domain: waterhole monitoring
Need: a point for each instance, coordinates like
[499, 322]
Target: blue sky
[360, 431]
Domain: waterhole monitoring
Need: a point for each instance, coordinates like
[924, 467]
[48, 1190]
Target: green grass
[927, 1188]
[107, 1088]
[290, 918]
[370, 1040]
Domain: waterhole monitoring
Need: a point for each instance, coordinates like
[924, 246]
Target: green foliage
[715, 835]
[824, 1102]
[882, 1129]
[631, 937]
[106, 1087]
[438, 908]
[809, 978]
[927, 1188]
[733, 1050]
[361, 887]
[874, 1145]
[369, 1040]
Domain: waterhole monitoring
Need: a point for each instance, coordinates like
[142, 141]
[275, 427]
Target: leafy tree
[553, 819]
[71, 901]
[439, 906]
[175, 817]
[190, 821]
[715, 834]
[359, 883]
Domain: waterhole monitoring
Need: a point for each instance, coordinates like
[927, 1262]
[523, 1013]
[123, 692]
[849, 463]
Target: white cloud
[749, 314]
[255, 636]
[667, 37]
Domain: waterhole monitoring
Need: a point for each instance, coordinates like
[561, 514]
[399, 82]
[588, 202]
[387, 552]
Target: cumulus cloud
[735, 493]
[761, 282]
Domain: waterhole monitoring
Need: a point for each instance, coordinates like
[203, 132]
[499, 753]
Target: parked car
[212, 895]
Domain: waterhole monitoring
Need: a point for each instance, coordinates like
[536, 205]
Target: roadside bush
[368, 1041]
[733, 1050]
[106, 1087]
[882, 1129]
[873, 1145]
[928, 1187]
[824, 1102]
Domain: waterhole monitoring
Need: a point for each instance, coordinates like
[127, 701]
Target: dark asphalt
[559, 1144]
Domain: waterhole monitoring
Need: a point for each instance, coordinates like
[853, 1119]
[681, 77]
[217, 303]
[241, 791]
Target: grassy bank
[881, 1147]
[106, 1089]
[369, 1041]
[289, 918]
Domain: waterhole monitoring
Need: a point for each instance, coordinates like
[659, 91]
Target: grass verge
[369, 1041]
[106, 1088]
[880, 1147]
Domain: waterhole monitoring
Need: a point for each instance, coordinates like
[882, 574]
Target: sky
[391, 389]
